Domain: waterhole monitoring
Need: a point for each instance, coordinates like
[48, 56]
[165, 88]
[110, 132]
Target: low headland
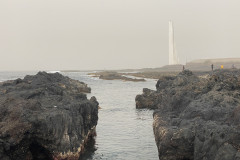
[45, 116]
[196, 117]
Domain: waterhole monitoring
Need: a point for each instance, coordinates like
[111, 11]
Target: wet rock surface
[46, 116]
[107, 75]
[196, 118]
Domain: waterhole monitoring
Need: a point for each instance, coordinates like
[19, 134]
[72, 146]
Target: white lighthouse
[173, 58]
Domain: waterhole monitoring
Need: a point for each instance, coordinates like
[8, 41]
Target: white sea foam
[53, 71]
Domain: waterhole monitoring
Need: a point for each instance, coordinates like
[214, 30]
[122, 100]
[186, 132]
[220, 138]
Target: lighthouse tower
[173, 58]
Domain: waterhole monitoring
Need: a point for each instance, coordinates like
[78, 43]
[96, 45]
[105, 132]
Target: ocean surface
[123, 132]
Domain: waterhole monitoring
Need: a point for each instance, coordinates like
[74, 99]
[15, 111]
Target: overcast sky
[114, 34]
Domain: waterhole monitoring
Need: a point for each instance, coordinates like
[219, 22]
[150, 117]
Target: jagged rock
[46, 116]
[196, 118]
[147, 100]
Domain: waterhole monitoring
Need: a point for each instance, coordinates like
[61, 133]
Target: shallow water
[123, 132]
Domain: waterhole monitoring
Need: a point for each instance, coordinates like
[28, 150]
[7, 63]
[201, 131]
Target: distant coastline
[194, 65]
[199, 67]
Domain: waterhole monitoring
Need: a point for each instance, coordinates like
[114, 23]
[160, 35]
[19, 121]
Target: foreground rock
[196, 118]
[46, 116]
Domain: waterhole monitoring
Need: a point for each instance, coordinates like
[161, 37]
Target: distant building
[173, 58]
[204, 64]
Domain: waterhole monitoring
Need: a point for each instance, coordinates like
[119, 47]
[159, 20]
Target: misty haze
[106, 34]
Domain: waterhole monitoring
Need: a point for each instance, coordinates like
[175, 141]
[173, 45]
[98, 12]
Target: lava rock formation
[196, 118]
[46, 116]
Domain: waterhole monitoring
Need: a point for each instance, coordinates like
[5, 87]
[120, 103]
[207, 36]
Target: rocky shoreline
[46, 116]
[141, 75]
[108, 75]
[196, 118]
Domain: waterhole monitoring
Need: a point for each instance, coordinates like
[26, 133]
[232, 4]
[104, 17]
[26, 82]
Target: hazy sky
[114, 34]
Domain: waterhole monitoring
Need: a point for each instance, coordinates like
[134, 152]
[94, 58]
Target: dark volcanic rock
[115, 76]
[196, 118]
[147, 100]
[46, 116]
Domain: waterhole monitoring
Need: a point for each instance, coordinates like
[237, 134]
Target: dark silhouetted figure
[183, 68]
[212, 67]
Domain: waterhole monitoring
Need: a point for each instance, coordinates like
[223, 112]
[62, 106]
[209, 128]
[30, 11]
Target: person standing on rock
[212, 67]
[183, 68]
